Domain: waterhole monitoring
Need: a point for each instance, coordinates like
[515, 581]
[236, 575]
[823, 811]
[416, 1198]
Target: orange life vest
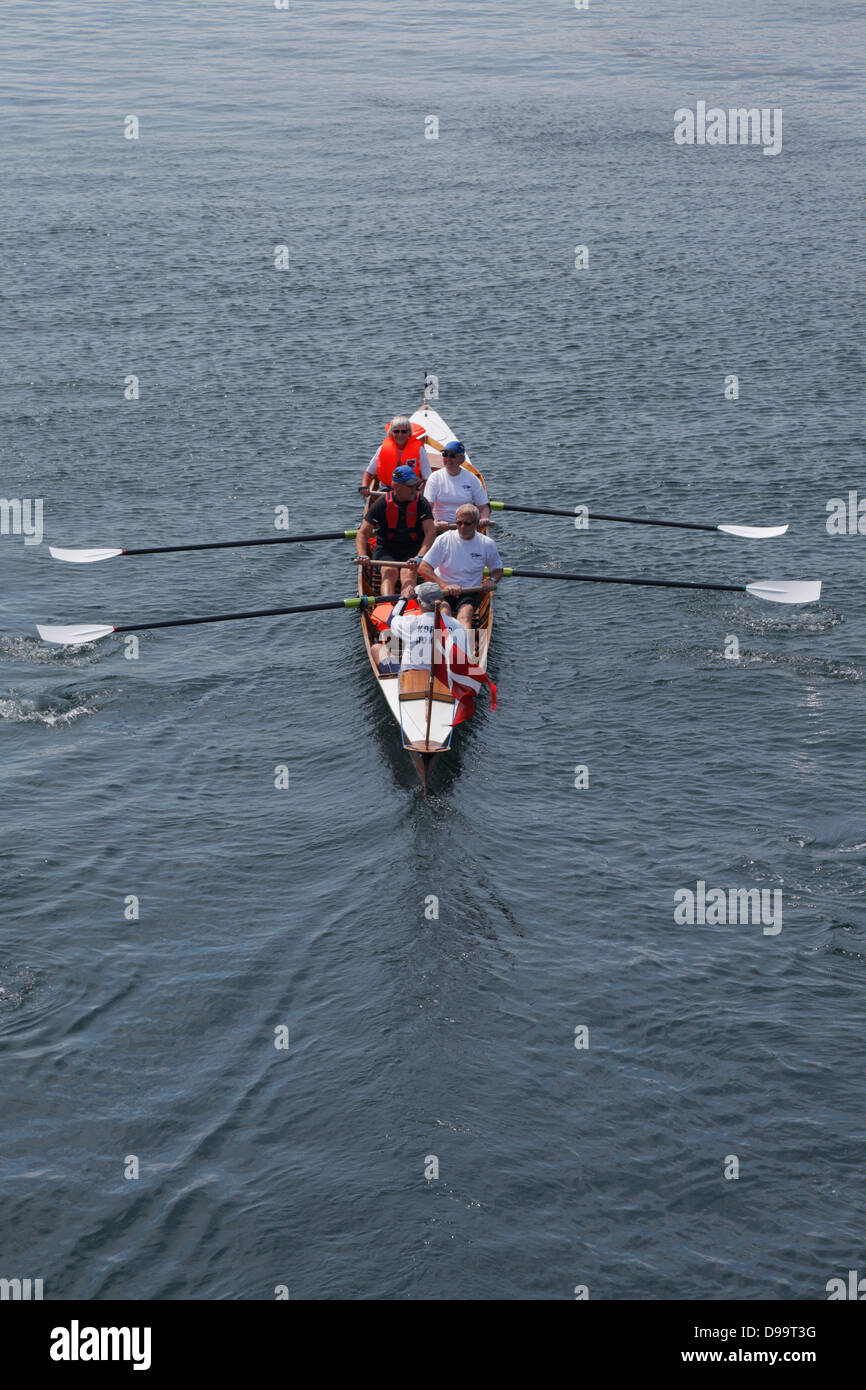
[390, 456]
[382, 612]
[392, 520]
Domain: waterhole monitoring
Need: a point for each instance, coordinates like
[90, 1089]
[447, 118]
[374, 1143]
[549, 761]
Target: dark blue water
[413, 1036]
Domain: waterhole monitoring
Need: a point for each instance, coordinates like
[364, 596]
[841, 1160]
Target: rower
[401, 446]
[453, 484]
[456, 561]
[415, 631]
[404, 528]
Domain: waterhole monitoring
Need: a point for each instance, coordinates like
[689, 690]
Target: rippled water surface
[414, 1036]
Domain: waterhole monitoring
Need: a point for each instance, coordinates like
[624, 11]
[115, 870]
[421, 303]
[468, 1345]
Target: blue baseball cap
[404, 474]
[453, 447]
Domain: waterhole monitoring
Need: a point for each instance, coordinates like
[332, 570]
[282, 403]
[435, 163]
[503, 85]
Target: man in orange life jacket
[404, 528]
[400, 446]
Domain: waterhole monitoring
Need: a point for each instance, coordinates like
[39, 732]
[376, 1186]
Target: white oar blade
[753, 533]
[81, 557]
[73, 636]
[779, 591]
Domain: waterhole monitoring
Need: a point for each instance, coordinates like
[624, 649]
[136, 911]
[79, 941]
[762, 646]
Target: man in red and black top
[404, 528]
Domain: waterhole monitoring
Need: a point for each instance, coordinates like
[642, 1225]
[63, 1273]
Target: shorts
[387, 667]
[462, 598]
[380, 553]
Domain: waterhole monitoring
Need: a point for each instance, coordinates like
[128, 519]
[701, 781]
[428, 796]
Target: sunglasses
[464, 523]
[401, 431]
[453, 456]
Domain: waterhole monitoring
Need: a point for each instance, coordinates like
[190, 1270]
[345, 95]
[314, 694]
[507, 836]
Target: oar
[747, 532]
[89, 557]
[384, 564]
[774, 591]
[74, 635]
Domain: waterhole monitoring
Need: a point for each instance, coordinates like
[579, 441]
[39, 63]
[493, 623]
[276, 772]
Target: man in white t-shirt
[456, 561]
[452, 485]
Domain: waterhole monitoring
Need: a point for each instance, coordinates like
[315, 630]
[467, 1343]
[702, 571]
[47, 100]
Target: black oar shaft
[611, 579]
[605, 516]
[363, 601]
[228, 545]
[648, 521]
[228, 617]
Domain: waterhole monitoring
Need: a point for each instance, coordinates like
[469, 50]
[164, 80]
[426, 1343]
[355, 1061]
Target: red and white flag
[455, 668]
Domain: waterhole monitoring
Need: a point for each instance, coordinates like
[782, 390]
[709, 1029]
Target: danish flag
[454, 668]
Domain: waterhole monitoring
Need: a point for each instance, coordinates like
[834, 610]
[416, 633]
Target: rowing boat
[423, 708]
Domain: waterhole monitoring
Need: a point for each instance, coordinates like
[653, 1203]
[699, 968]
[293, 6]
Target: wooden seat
[414, 685]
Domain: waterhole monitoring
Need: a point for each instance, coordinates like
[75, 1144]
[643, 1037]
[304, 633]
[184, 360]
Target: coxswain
[404, 528]
[456, 561]
[452, 485]
[415, 632]
[401, 446]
